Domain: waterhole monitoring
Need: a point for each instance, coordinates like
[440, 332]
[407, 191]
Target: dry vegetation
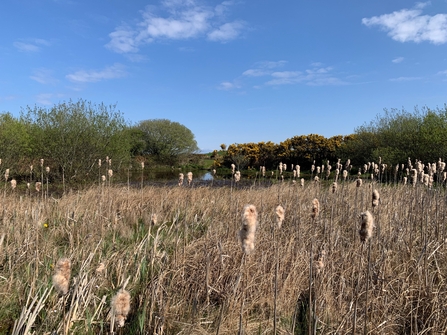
[186, 273]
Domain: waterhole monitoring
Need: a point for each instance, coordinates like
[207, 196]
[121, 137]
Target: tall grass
[183, 270]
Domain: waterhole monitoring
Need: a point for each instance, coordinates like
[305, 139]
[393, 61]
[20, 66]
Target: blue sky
[231, 71]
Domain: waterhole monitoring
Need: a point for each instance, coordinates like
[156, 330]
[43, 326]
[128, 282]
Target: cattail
[38, 185]
[100, 269]
[375, 198]
[316, 179]
[367, 226]
[320, 262]
[280, 168]
[41, 162]
[405, 180]
[298, 171]
[47, 169]
[214, 172]
[358, 182]
[248, 230]
[302, 182]
[6, 174]
[279, 216]
[110, 173]
[233, 168]
[189, 177]
[345, 174]
[142, 165]
[180, 179]
[61, 277]
[318, 170]
[103, 178]
[13, 183]
[237, 176]
[153, 219]
[334, 186]
[315, 208]
[121, 307]
[99, 162]
[31, 168]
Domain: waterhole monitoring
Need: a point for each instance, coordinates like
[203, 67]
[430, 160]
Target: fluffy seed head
[61, 277]
[38, 185]
[375, 198]
[315, 208]
[279, 215]
[121, 307]
[248, 230]
[367, 226]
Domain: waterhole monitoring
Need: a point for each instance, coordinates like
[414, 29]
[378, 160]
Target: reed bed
[172, 258]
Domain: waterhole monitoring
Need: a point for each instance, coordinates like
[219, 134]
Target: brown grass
[183, 273]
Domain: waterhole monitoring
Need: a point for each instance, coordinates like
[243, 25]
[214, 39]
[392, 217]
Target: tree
[15, 142]
[74, 135]
[167, 141]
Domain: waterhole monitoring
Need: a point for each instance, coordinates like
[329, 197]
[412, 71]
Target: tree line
[391, 137]
[71, 137]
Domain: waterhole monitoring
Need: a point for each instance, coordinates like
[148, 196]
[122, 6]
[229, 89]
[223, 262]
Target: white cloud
[255, 73]
[410, 25]
[398, 60]
[227, 86]
[90, 76]
[403, 79]
[316, 76]
[43, 76]
[286, 77]
[226, 32]
[182, 19]
[31, 45]
[47, 98]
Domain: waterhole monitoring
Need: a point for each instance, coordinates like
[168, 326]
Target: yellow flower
[45, 225]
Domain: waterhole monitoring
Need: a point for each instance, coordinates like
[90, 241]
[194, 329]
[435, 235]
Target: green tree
[169, 142]
[74, 135]
[15, 143]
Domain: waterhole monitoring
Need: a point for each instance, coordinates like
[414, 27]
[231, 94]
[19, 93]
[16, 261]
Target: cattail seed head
[279, 215]
[13, 183]
[367, 226]
[189, 177]
[41, 162]
[110, 173]
[38, 185]
[315, 208]
[121, 307]
[100, 269]
[103, 178]
[47, 169]
[99, 162]
[302, 182]
[358, 182]
[248, 230]
[6, 174]
[61, 277]
[334, 187]
[375, 198]
[180, 179]
[153, 219]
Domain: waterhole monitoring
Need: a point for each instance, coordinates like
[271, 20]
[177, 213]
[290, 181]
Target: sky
[235, 71]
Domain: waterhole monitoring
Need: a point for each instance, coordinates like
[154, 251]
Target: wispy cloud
[398, 60]
[91, 76]
[410, 25]
[43, 76]
[268, 73]
[30, 45]
[48, 98]
[179, 20]
[228, 86]
[403, 79]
